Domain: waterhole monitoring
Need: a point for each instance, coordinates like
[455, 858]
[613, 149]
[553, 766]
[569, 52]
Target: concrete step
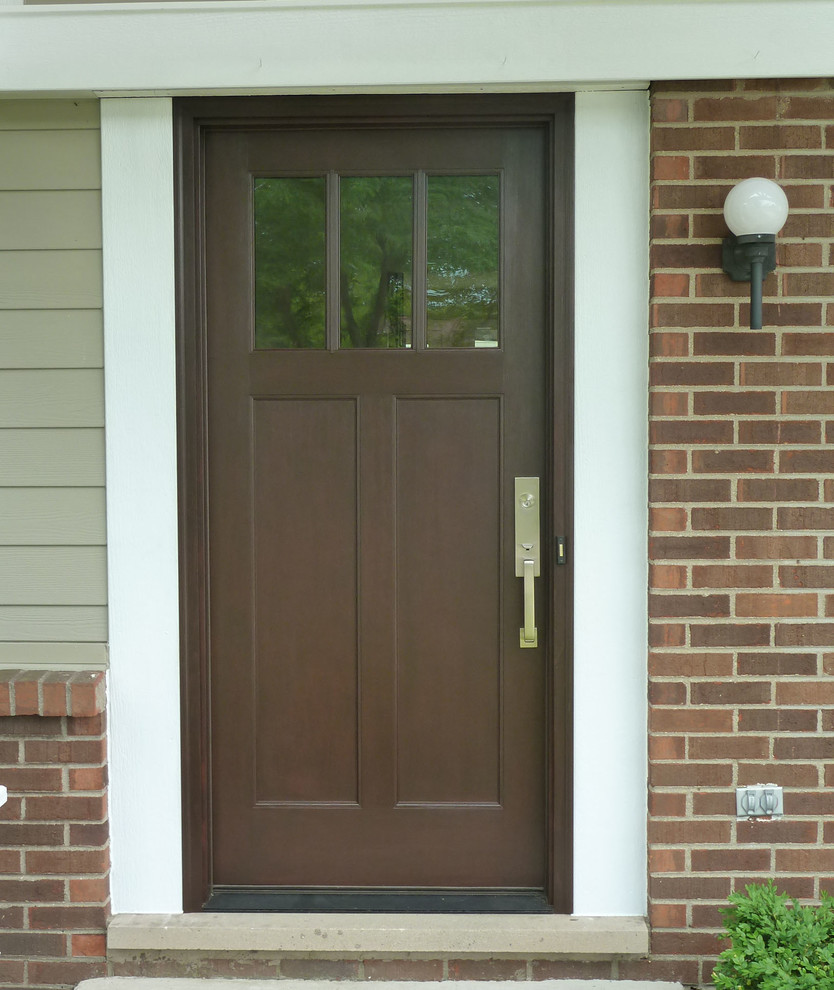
[380, 936]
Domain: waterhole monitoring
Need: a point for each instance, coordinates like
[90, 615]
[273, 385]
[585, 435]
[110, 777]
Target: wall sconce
[755, 211]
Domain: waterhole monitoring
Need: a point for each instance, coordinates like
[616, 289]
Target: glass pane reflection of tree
[375, 251]
[290, 262]
[376, 261]
[462, 280]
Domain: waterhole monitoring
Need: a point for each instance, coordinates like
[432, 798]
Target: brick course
[741, 689]
[54, 844]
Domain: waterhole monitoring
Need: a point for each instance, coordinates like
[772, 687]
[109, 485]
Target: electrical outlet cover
[759, 801]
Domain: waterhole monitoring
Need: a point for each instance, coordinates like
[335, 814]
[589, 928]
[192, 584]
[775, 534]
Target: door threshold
[389, 900]
[381, 936]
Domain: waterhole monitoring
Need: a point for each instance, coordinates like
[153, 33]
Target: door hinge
[561, 550]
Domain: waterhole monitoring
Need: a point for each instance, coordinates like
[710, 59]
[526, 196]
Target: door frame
[191, 117]
[609, 553]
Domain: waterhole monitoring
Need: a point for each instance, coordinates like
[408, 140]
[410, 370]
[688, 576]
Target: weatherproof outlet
[759, 801]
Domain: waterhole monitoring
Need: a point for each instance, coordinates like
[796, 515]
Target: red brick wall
[742, 505]
[54, 845]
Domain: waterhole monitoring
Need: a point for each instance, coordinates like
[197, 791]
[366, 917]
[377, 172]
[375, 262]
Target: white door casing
[608, 545]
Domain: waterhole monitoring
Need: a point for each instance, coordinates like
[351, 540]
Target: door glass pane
[290, 262]
[462, 276]
[376, 247]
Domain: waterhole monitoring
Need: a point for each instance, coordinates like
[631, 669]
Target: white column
[611, 468]
[140, 409]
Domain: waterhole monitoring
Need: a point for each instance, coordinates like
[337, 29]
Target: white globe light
[756, 206]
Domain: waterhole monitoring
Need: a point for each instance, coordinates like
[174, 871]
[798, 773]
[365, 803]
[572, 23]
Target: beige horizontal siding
[53, 656]
[49, 115]
[52, 516]
[51, 338]
[53, 218]
[53, 575]
[56, 623]
[50, 160]
[52, 397]
[51, 457]
[50, 280]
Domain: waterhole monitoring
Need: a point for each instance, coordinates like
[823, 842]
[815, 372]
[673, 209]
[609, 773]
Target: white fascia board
[257, 46]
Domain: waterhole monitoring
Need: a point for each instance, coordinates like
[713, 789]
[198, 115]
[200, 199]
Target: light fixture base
[738, 255]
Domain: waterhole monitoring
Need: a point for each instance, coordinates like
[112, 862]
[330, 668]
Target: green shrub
[776, 944]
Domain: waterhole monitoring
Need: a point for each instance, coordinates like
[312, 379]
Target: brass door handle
[527, 553]
[529, 635]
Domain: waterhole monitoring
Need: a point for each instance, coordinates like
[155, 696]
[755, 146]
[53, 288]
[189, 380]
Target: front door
[375, 324]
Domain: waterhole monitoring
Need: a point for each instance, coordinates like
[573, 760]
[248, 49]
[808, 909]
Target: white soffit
[251, 46]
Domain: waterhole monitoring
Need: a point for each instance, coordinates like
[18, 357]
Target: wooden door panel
[304, 545]
[379, 482]
[449, 655]
[372, 722]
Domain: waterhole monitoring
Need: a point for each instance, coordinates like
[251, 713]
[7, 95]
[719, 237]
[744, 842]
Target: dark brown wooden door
[374, 724]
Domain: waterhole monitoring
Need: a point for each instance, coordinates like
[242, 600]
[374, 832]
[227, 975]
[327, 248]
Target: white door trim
[609, 546]
[142, 532]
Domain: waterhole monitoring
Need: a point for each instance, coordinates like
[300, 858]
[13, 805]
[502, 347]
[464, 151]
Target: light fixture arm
[756, 294]
[748, 258]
